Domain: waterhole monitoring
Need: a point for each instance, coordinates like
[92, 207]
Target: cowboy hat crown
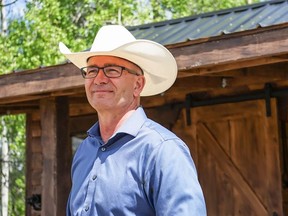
[158, 64]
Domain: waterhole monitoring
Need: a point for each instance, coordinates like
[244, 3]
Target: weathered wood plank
[34, 158]
[208, 142]
[63, 154]
[81, 124]
[57, 153]
[237, 48]
[234, 148]
[80, 109]
[40, 81]
[48, 141]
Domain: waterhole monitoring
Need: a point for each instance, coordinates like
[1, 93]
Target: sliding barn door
[236, 150]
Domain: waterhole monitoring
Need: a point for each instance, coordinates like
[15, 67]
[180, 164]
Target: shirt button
[86, 208]
[94, 177]
[103, 149]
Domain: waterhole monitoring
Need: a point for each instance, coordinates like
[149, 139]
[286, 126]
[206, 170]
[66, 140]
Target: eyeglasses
[113, 71]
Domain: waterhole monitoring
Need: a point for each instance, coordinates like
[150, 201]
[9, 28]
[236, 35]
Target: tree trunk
[3, 18]
[3, 140]
[5, 169]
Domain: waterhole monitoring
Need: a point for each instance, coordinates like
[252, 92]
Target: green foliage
[162, 9]
[15, 125]
[32, 41]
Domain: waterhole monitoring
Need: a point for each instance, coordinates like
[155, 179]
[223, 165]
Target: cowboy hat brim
[158, 64]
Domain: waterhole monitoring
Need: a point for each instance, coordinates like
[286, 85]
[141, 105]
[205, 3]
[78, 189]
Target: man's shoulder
[156, 130]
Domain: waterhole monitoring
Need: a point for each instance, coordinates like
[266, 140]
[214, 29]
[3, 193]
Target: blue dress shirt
[144, 170]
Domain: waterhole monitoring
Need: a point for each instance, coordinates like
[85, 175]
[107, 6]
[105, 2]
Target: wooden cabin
[229, 103]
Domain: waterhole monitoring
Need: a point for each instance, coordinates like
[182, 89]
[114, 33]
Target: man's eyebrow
[105, 65]
[110, 64]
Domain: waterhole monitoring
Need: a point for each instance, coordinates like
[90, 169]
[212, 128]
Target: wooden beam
[48, 141]
[40, 82]
[33, 167]
[57, 154]
[233, 51]
[63, 154]
[252, 78]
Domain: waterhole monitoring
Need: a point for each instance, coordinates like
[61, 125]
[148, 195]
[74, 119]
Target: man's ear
[139, 85]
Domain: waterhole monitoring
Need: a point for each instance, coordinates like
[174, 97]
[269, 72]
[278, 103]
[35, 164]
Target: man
[129, 164]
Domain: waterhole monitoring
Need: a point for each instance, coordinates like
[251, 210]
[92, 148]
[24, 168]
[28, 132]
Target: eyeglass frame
[83, 72]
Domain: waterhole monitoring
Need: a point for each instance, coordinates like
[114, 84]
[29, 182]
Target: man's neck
[111, 122]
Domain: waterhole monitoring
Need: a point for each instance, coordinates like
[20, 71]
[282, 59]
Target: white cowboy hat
[157, 63]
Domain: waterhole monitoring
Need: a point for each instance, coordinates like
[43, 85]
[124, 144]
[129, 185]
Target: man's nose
[101, 78]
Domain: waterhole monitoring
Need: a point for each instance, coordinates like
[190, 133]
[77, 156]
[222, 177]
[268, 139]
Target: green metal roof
[215, 23]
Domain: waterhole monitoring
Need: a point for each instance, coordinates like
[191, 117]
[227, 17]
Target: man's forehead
[110, 60]
[103, 58]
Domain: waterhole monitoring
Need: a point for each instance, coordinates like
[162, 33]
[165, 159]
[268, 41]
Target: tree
[13, 162]
[32, 40]
[5, 169]
[4, 141]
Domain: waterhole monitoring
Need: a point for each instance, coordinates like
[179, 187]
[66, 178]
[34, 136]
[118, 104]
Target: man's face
[108, 94]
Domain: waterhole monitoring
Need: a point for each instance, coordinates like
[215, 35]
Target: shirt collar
[131, 126]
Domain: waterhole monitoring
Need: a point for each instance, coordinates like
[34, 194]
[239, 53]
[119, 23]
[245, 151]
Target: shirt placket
[88, 204]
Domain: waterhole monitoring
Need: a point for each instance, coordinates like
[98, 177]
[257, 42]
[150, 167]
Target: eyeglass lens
[109, 71]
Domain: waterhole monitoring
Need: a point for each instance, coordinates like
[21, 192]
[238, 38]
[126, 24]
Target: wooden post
[57, 154]
[34, 159]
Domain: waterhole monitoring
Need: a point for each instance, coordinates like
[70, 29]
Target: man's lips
[101, 91]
